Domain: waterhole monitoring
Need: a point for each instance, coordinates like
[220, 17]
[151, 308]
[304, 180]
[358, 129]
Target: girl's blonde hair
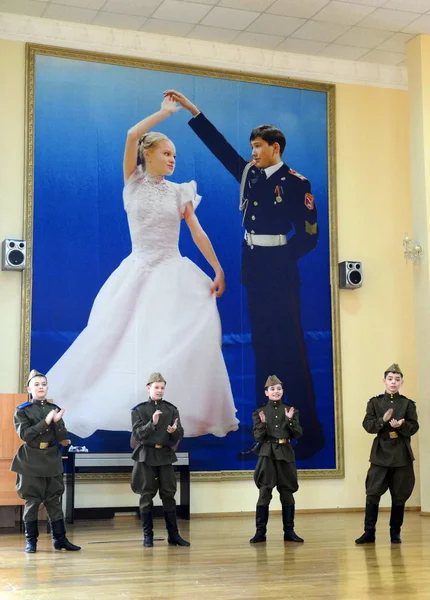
[147, 141]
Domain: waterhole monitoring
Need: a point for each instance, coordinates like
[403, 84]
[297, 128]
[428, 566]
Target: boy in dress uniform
[393, 418]
[38, 462]
[157, 430]
[276, 201]
[275, 424]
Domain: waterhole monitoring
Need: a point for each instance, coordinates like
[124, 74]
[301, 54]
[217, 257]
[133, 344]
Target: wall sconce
[411, 250]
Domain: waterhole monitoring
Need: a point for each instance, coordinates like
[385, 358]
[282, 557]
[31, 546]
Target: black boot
[396, 522]
[288, 522]
[58, 530]
[261, 518]
[147, 526]
[370, 519]
[174, 539]
[31, 535]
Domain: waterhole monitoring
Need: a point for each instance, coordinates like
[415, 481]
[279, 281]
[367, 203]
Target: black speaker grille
[355, 277]
[15, 257]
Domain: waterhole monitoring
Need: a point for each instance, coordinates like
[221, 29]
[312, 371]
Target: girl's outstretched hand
[169, 105]
[183, 101]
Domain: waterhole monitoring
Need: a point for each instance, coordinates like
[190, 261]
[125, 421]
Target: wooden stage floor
[221, 564]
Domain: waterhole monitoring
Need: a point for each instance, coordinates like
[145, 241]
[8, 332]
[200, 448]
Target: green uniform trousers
[147, 481]
[271, 473]
[38, 490]
[399, 480]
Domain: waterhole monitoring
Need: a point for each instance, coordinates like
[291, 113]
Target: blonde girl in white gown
[156, 312]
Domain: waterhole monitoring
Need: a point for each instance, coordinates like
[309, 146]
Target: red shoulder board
[292, 172]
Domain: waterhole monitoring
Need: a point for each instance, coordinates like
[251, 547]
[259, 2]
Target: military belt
[389, 435]
[259, 239]
[279, 440]
[44, 445]
[156, 446]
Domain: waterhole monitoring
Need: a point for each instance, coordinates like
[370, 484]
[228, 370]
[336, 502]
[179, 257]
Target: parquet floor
[221, 564]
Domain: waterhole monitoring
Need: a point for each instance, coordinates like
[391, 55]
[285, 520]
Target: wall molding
[198, 53]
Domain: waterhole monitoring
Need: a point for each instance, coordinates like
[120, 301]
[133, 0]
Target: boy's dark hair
[269, 134]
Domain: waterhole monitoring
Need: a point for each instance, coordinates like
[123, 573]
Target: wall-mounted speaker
[13, 255]
[350, 274]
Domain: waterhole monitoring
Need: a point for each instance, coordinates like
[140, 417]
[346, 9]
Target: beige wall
[377, 321]
[12, 79]
[419, 110]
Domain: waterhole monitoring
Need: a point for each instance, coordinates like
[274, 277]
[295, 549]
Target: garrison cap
[34, 373]
[272, 380]
[156, 378]
[394, 368]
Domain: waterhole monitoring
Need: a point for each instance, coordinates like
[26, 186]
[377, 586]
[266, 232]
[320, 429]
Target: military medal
[278, 194]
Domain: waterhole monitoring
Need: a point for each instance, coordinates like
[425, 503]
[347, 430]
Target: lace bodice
[154, 209]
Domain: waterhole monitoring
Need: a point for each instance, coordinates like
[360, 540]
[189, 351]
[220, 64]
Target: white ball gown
[154, 313]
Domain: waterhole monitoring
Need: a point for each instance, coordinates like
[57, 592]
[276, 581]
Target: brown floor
[221, 564]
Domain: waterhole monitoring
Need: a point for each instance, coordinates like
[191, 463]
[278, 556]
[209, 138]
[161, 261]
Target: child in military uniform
[157, 430]
[38, 462]
[393, 418]
[274, 425]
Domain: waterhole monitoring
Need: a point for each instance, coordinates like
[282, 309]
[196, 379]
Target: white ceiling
[360, 30]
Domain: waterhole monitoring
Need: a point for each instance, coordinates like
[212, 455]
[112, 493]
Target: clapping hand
[50, 416]
[156, 416]
[54, 415]
[59, 414]
[262, 416]
[387, 416]
[289, 413]
[395, 424]
[172, 428]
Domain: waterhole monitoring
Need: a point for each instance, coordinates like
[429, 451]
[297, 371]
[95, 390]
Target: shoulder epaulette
[137, 405]
[170, 404]
[23, 405]
[293, 172]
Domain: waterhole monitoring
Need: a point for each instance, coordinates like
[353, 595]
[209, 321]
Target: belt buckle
[158, 446]
[393, 435]
[282, 441]
[43, 445]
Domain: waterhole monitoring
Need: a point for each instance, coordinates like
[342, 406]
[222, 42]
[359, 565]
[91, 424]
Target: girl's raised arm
[168, 107]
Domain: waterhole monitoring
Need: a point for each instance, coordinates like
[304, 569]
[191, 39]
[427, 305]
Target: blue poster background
[82, 113]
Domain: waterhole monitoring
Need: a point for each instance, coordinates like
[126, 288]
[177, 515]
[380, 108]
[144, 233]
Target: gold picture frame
[34, 50]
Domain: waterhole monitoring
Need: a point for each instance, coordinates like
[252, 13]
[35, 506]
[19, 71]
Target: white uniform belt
[262, 239]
